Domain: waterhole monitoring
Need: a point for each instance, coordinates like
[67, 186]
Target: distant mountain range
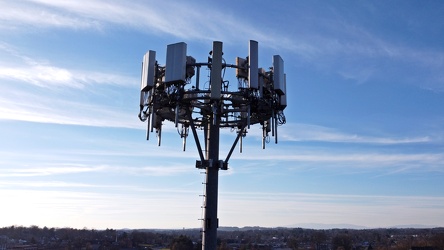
[325, 226]
[317, 226]
[352, 226]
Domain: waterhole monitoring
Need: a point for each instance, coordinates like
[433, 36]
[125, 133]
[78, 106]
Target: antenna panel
[283, 98]
[216, 69]
[241, 71]
[261, 82]
[148, 70]
[278, 74]
[176, 63]
[253, 63]
[190, 68]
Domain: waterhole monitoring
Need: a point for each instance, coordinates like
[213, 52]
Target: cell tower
[169, 93]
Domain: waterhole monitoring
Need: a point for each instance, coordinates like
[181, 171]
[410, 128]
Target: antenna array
[168, 93]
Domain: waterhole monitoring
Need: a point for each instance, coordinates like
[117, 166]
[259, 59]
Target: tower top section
[177, 91]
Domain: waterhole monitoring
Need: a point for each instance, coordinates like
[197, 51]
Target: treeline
[234, 238]
[71, 238]
[345, 239]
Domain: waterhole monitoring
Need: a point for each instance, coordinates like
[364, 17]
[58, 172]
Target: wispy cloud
[45, 171]
[133, 187]
[24, 106]
[25, 14]
[302, 132]
[368, 159]
[311, 132]
[40, 169]
[193, 21]
[55, 101]
[189, 20]
[332, 43]
[61, 208]
[46, 184]
[294, 208]
[40, 73]
[339, 160]
[325, 197]
[171, 18]
[98, 209]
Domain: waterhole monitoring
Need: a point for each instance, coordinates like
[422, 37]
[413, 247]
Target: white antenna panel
[176, 63]
[278, 75]
[253, 63]
[148, 70]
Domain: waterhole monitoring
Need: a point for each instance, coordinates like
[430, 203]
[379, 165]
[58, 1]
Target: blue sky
[363, 143]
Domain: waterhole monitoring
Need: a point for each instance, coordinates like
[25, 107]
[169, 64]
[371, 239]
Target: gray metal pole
[209, 237]
[211, 222]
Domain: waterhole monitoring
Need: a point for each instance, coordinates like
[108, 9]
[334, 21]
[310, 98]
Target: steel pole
[211, 222]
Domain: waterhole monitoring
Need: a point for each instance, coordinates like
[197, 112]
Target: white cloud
[332, 43]
[40, 75]
[20, 14]
[337, 159]
[328, 36]
[54, 103]
[78, 209]
[23, 106]
[130, 188]
[184, 20]
[46, 184]
[43, 74]
[147, 208]
[367, 159]
[302, 132]
[45, 171]
[310, 132]
[287, 209]
[42, 169]
[54, 77]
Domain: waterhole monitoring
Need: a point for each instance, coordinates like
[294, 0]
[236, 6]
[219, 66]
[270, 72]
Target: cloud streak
[310, 132]
[55, 102]
[339, 160]
[28, 15]
[323, 44]
[70, 169]
[37, 108]
[98, 209]
[42, 74]
[297, 208]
